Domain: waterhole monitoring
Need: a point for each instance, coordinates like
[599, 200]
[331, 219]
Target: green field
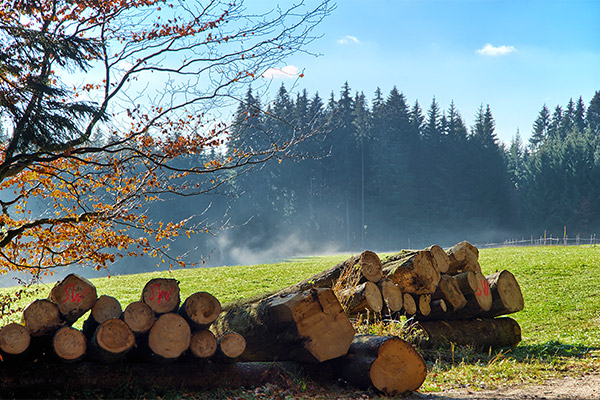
[560, 322]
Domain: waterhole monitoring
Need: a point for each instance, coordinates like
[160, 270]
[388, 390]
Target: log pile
[303, 325]
[444, 293]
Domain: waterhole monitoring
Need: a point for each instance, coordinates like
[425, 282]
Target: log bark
[74, 296]
[308, 326]
[162, 295]
[363, 297]
[203, 344]
[392, 296]
[69, 344]
[231, 345]
[388, 363]
[449, 291]
[169, 337]
[42, 317]
[14, 339]
[413, 274]
[139, 317]
[467, 282]
[112, 341]
[479, 333]
[105, 308]
[367, 263]
[507, 297]
[200, 310]
[463, 257]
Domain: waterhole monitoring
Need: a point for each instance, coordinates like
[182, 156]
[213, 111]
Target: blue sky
[513, 55]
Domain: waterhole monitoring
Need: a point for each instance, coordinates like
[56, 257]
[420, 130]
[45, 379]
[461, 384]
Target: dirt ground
[586, 387]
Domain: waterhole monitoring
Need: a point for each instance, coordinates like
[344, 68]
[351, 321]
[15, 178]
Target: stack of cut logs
[444, 292]
[115, 347]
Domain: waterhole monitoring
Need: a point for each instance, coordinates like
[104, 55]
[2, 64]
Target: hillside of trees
[390, 174]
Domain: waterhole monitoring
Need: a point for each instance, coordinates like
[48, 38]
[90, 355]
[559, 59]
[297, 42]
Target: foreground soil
[586, 387]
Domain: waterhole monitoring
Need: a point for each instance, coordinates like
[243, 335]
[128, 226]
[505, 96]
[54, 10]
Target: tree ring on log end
[14, 339]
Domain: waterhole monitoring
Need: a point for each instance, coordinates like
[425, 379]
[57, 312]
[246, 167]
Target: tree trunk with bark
[479, 333]
[308, 326]
[74, 296]
[413, 274]
[507, 297]
[162, 295]
[367, 265]
[388, 363]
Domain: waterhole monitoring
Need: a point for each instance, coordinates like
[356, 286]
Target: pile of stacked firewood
[121, 347]
[443, 292]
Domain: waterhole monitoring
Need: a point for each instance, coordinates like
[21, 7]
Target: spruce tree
[541, 126]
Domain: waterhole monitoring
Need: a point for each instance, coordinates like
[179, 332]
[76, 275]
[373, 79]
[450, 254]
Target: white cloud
[348, 39]
[491, 50]
[287, 72]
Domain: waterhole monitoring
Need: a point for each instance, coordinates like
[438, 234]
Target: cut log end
[365, 296]
[231, 345]
[105, 308]
[139, 317]
[69, 344]
[42, 317]
[410, 305]
[399, 368]
[370, 266]
[392, 295]
[169, 336]
[114, 337]
[441, 261]
[201, 309]
[14, 339]
[162, 295]
[507, 297]
[74, 296]
[203, 344]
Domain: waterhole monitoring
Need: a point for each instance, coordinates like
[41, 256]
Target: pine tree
[554, 130]
[579, 117]
[593, 114]
[541, 127]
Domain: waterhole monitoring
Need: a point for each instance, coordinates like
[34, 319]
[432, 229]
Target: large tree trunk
[479, 333]
[162, 295]
[69, 344]
[413, 274]
[169, 337]
[437, 256]
[506, 294]
[363, 297]
[463, 257]
[367, 264]
[306, 326]
[389, 364]
[200, 310]
[42, 317]
[74, 296]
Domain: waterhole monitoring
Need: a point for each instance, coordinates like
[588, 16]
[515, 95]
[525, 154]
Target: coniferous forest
[391, 173]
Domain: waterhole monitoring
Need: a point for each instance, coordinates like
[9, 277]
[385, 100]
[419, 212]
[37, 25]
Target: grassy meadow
[560, 323]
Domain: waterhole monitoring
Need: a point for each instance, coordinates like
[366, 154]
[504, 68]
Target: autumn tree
[102, 99]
